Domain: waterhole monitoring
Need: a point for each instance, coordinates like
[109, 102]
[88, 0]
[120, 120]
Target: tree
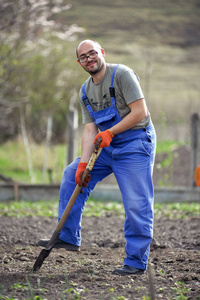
[36, 70]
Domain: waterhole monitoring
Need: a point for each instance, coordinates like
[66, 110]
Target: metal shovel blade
[39, 261]
[45, 252]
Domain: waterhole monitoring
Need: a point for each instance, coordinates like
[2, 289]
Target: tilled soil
[173, 271]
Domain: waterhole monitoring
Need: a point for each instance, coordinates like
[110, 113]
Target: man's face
[91, 65]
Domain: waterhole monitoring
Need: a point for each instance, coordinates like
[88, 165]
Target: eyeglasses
[84, 58]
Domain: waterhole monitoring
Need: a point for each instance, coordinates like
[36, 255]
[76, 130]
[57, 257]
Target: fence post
[194, 145]
[47, 146]
[72, 125]
[70, 137]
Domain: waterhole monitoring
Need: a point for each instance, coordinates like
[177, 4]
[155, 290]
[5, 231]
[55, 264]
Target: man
[112, 102]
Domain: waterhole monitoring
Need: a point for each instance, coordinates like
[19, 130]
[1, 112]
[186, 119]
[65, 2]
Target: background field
[160, 40]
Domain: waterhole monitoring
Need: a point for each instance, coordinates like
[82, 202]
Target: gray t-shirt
[127, 90]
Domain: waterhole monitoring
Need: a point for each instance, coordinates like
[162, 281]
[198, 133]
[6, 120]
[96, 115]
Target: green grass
[13, 161]
[180, 290]
[167, 146]
[92, 208]
[29, 208]
[177, 210]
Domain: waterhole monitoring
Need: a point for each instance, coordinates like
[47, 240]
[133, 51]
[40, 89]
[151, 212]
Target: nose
[88, 58]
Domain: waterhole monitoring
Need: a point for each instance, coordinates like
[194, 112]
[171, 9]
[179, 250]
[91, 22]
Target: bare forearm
[87, 146]
[138, 113]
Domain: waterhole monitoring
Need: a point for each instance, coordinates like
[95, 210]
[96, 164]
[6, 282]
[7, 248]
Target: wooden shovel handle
[90, 165]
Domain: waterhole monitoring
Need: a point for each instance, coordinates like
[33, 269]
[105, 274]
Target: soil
[173, 271]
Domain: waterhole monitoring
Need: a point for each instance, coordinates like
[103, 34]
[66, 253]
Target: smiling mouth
[91, 63]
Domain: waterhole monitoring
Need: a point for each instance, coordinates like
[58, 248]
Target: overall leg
[71, 232]
[133, 167]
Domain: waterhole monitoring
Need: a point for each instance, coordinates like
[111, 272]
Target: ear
[103, 52]
[79, 62]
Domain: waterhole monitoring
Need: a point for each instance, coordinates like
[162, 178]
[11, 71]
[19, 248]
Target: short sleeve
[129, 84]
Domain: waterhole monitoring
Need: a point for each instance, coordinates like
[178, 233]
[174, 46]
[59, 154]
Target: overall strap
[111, 88]
[85, 99]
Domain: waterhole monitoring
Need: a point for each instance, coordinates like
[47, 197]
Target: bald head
[94, 44]
[91, 57]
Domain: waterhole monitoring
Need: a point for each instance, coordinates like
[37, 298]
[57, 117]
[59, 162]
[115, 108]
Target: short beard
[97, 70]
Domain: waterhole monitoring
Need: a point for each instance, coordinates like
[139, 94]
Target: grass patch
[13, 162]
[29, 208]
[177, 210]
[167, 146]
[93, 208]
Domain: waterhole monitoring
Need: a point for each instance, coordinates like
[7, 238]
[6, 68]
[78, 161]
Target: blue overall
[130, 157]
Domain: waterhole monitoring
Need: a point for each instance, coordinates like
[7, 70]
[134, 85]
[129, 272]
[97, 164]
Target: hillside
[173, 22]
[160, 40]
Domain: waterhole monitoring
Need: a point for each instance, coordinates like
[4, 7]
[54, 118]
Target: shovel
[49, 246]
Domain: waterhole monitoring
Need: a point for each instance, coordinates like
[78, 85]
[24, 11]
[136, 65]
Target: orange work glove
[106, 138]
[79, 174]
